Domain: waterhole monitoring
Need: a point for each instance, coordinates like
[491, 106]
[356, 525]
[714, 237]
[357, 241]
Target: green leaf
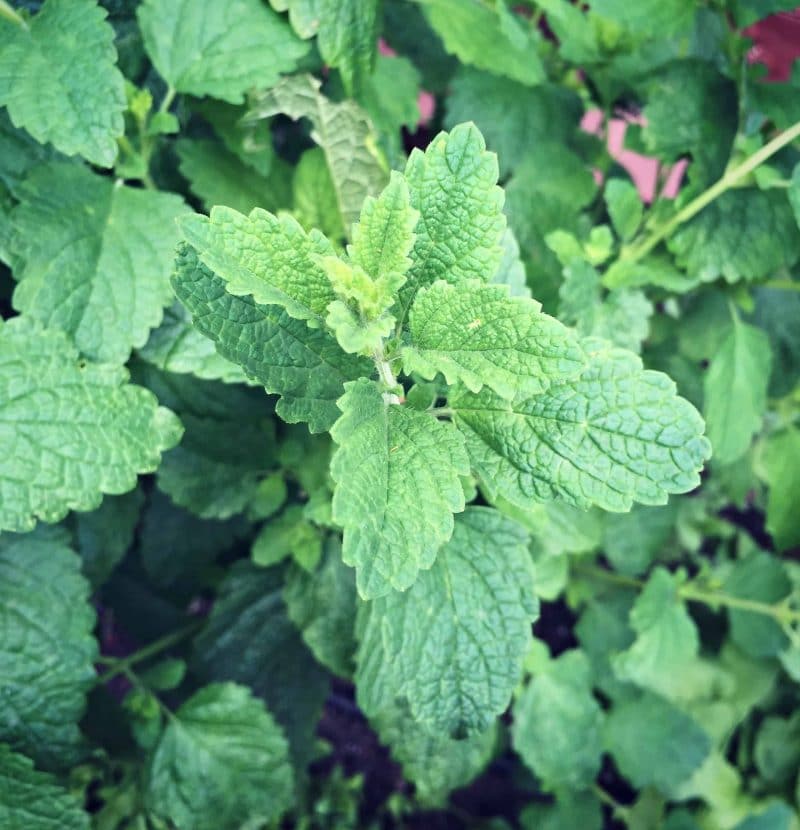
[218, 177]
[221, 761]
[558, 724]
[489, 38]
[632, 541]
[479, 334]
[750, 11]
[582, 810]
[249, 639]
[177, 346]
[666, 637]
[204, 48]
[93, 258]
[624, 206]
[59, 80]
[47, 649]
[763, 578]
[745, 234]
[511, 116]
[314, 199]
[306, 367]
[75, 430]
[453, 185]
[615, 435]
[347, 39]
[735, 390]
[453, 644]
[653, 743]
[511, 270]
[777, 748]
[783, 476]
[19, 153]
[649, 17]
[397, 487]
[267, 257]
[34, 800]
[343, 132]
[435, 763]
[323, 606]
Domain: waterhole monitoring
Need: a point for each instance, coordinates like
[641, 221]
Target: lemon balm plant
[466, 520]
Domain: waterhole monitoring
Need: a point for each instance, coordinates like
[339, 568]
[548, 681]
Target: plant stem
[122, 665]
[169, 97]
[783, 285]
[634, 253]
[386, 374]
[9, 13]
[619, 809]
[780, 612]
[441, 411]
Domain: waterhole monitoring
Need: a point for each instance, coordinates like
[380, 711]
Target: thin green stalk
[636, 252]
[169, 97]
[9, 13]
[780, 612]
[783, 285]
[122, 665]
[619, 810]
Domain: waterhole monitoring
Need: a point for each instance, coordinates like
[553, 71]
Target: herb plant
[466, 522]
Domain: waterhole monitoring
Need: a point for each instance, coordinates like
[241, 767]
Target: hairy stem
[635, 252]
[9, 13]
[122, 665]
[386, 374]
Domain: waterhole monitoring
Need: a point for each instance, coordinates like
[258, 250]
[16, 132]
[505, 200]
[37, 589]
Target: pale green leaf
[397, 475]
[347, 39]
[783, 476]
[654, 744]
[632, 541]
[322, 605]
[305, 367]
[264, 256]
[177, 346]
[558, 724]
[478, 334]
[46, 646]
[314, 200]
[616, 435]
[453, 644]
[745, 234]
[735, 390]
[624, 206]
[511, 270]
[73, 430]
[221, 761]
[343, 132]
[648, 17]
[666, 637]
[207, 48]
[303, 15]
[34, 800]
[93, 258]
[218, 177]
[486, 37]
[59, 80]
[453, 185]
[434, 762]
[384, 234]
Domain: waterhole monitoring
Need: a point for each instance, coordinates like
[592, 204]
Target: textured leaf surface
[314, 198]
[615, 435]
[653, 743]
[92, 258]
[46, 647]
[397, 487]
[264, 256]
[60, 82]
[435, 763]
[783, 476]
[488, 39]
[735, 390]
[666, 641]
[558, 724]
[453, 185]
[344, 133]
[746, 234]
[33, 800]
[74, 431]
[221, 761]
[511, 271]
[648, 17]
[478, 334]
[306, 367]
[250, 639]
[453, 644]
[177, 346]
[347, 36]
[207, 48]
